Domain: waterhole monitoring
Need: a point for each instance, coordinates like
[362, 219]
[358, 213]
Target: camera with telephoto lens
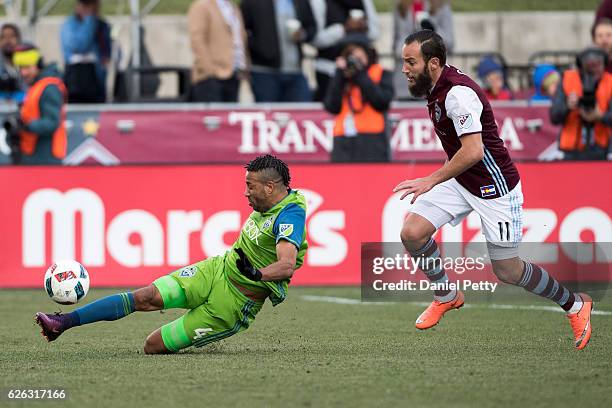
[13, 125]
[353, 63]
[591, 64]
[587, 100]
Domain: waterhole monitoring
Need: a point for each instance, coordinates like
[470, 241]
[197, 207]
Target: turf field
[314, 351]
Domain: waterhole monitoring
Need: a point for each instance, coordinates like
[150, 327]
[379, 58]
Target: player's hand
[416, 187]
[245, 267]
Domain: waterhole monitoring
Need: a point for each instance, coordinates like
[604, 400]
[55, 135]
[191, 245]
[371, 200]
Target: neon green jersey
[259, 236]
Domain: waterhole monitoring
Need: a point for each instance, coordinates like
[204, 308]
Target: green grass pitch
[315, 353]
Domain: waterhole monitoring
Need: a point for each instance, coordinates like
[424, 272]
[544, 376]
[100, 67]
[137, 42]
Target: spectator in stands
[276, 30]
[359, 95]
[336, 18]
[582, 105]
[439, 18]
[11, 86]
[86, 45]
[491, 75]
[218, 39]
[545, 79]
[404, 24]
[410, 16]
[602, 38]
[39, 127]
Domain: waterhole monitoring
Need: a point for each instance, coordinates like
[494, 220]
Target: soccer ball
[66, 282]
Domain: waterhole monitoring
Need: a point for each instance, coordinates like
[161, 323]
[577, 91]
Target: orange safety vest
[366, 118]
[571, 133]
[30, 111]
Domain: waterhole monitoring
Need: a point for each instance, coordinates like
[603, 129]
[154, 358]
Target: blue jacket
[540, 72]
[88, 35]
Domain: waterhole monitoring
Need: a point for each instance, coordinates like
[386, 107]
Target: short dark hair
[269, 162]
[431, 44]
[13, 27]
[600, 21]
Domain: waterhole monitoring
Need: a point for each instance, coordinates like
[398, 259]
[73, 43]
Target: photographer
[359, 95]
[582, 106]
[38, 131]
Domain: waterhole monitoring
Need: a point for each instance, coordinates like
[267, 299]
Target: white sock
[577, 304]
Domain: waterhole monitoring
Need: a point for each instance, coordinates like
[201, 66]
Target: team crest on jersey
[465, 121]
[188, 272]
[487, 191]
[437, 112]
[267, 223]
[285, 230]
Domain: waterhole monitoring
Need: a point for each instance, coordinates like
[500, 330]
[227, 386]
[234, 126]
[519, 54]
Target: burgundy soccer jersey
[458, 107]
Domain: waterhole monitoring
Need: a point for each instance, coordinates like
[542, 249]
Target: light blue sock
[112, 307]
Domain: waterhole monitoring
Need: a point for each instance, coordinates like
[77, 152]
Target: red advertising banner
[294, 134]
[129, 225]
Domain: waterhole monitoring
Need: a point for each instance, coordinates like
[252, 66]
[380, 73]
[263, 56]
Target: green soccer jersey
[258, 239]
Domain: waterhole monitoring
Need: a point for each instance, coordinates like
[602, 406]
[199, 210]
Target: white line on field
[350, 301]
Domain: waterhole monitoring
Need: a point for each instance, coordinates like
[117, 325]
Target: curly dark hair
[273, 168]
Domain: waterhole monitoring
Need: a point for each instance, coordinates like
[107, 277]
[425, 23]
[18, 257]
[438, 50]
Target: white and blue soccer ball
[66, 282]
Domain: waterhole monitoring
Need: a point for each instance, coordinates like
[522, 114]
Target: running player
[478, 176]
[223, 293]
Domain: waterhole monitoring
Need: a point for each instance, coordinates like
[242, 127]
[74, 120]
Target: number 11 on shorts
[501, 230]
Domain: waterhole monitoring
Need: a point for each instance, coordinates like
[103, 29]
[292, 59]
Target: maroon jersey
[458, 107]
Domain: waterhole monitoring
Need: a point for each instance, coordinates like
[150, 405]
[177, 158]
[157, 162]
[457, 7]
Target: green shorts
[217, 309]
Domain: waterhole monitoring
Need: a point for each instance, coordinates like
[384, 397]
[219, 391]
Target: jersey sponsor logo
[285, 230]
[438, 112]
[188, 272]
[465, 121]
[487, 191]
[252, 230]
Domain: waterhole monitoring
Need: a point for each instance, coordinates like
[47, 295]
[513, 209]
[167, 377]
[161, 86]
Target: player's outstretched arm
[470, 153]
[282, 269]
[286, 253]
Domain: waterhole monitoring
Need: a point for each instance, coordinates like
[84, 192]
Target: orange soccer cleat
[434, 312]
[581, 322]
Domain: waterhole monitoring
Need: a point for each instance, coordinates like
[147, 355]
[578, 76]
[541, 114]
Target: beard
[422, 84]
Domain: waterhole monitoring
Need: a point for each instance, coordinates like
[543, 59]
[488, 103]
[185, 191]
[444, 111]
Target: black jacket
[379, 95]
[260, 24]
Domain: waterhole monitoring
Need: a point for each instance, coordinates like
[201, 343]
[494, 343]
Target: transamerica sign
[294, 134]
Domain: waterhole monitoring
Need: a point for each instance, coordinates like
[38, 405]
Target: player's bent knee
[154, 344]
[413, 234]
[148, 299]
